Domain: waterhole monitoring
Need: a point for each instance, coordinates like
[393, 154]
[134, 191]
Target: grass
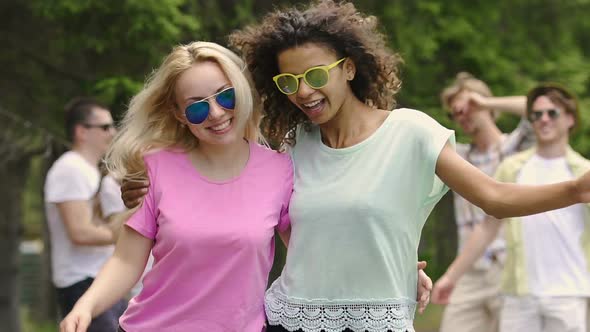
[29, 325]
[429, 321]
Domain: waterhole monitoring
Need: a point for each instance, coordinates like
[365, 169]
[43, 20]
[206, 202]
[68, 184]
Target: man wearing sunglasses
[476, 302]
[81, 241]
[546, 281]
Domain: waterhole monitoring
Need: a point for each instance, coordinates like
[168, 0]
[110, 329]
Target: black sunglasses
[104, 127]
[553, 114]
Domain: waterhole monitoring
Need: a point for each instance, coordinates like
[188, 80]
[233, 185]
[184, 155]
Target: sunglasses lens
[317, 78]
[227, 99]
[197, 112]
[287, 84]
[551, 113]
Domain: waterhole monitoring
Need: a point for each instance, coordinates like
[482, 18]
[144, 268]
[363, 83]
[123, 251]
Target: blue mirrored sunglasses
[198, 111]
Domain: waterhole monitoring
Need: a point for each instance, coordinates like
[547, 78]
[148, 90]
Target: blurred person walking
[546, 279]
[81, 240]
[475, 304]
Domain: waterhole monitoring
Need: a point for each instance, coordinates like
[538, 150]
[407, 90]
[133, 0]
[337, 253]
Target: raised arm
[511, 104]
[503, 200]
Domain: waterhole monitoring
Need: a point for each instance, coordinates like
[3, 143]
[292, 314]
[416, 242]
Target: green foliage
[31, 325]
[59, 49]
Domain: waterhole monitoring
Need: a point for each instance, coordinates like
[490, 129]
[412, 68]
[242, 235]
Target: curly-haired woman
[366, 177]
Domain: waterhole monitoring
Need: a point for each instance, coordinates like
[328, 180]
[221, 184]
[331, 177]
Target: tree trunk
[18, 144]
[13, 175]
[46, 309]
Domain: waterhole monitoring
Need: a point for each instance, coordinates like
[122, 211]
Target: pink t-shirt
[213, 243]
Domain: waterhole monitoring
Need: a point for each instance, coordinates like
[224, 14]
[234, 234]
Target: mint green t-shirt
[356, 217]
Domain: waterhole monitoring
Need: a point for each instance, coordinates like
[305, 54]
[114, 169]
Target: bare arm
[114, 281]
[483, 234]
[511, 104]
[77, 218]
[503, 200]
[116, 221]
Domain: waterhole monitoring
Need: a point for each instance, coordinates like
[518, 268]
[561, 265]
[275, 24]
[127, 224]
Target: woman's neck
[221, 162]
[353, 123]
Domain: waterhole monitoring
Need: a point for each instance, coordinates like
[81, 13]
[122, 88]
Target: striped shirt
[468, 215]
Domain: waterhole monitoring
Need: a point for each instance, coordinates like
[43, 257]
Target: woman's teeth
[313, 104]
[222, 125]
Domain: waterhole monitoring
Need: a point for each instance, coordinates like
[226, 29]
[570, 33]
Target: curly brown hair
[339, 26]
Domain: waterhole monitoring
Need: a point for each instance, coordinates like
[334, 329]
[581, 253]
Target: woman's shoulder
[270, 156]
[163, 156]
[415, 120]
[411, 115]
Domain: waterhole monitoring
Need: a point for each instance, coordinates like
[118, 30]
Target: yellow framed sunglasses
[315, 77]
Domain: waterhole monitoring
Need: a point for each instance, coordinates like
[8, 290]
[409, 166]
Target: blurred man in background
[475, 304]
[81, 240]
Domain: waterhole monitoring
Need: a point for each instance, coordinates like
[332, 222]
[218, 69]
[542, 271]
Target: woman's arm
[114, 281]
[503, 200]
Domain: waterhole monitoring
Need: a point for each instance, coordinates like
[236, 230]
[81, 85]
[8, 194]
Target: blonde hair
[464, 82]
[150, 122]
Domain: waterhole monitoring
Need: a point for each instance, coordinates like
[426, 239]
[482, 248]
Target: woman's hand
[77, 320]
[132, 192]
[424, 287]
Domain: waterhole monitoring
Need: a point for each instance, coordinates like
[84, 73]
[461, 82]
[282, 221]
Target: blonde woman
[215, 199]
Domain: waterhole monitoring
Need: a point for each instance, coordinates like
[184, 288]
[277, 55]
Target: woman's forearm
[504, 200]
[515, 200]
[120, 273]
[112, 284]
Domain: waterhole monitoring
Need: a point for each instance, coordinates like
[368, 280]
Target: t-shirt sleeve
[284, 220]
[433, 137]
[144, 220]
[68, 183]
[110, 197]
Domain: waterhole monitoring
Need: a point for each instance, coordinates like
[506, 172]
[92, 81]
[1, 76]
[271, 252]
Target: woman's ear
[349, 69]
[179, 115]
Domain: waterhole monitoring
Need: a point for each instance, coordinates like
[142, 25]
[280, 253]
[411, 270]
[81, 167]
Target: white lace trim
[395, 315]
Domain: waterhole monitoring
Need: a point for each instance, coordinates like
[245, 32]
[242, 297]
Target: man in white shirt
[81, 241]
[546, 278]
